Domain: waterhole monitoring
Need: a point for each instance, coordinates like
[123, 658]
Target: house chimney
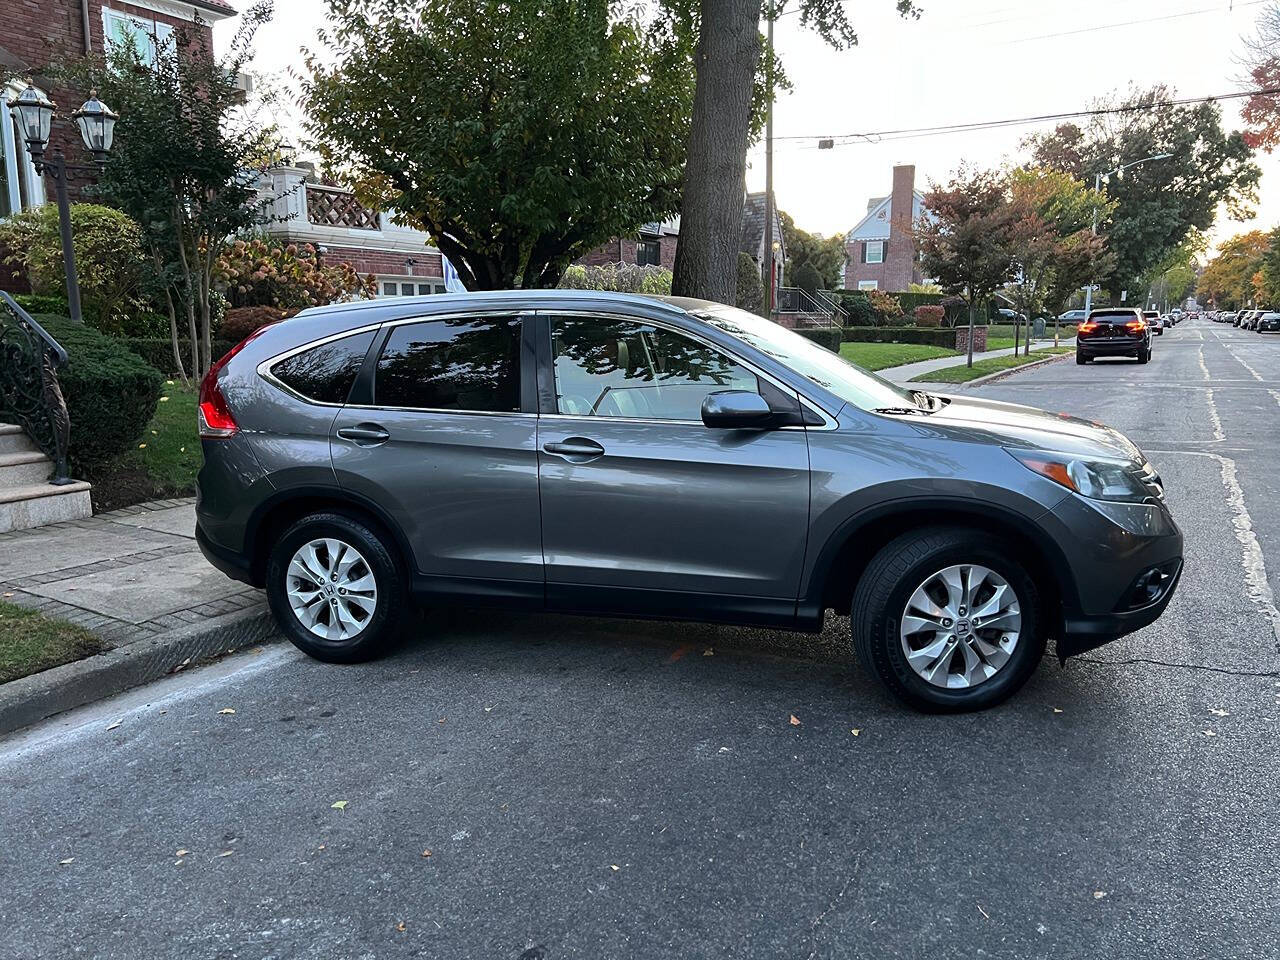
[900, 263]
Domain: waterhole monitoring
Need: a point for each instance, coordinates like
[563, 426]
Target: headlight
[1121, 480]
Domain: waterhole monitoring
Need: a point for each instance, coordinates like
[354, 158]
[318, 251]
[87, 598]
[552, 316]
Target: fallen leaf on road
[68, 860]
[725, 750]
[1210, 733]
[226, 710]
[856, 731]
[795, 721]
[426, 853]
[8, 594]
[321, 847]
[112, 726]
[487, 709]
[708, 652]
[400, 926]
[338, 805]
[1099, 894]
[1057, 709]
[1218, 713]
[442, 720]
[224, 853]
[181, 853]
[178, 863]
[614, 866]
[983, 912]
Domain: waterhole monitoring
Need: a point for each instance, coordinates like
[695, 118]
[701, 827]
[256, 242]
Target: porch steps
[27, 499]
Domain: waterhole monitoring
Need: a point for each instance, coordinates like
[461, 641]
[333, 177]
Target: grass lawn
[30, 642]
[163, 463]
[980, 368]
[878, 356]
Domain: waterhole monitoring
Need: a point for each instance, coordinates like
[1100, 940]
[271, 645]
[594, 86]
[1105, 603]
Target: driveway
[599, 789]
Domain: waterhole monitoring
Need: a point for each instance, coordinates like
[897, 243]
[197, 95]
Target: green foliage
[622, 277]
[930, 336]
[807, 277]
[1161, 203]
[182, 147]
[871, 307]
[40, 303]
[111, 392]
[915, 298]
[1227, 280]
[829, 337]
[886, 305]
[30, 642]
[269, 272]
[527, 133]
[158, 352]
[108, 249]
[823, 257]
[879, 356]
[750, 288]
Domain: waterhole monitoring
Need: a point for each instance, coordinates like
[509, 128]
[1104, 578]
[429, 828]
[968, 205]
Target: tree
[1227, 280]
[1261, 112]
[1269, 285]
[727, 59]
[183, 145]
[523, 134]
[749, 292]
[1054, 246]
[1161, 203]
[967, 245]
[824, 254]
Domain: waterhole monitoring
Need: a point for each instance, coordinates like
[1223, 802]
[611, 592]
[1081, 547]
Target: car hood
[1014, 425]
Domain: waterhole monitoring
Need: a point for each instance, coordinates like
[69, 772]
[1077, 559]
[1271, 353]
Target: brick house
[880, 252]
[40, 32]
[654, 245]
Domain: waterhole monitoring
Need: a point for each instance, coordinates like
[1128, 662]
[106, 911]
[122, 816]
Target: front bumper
[1081, 633]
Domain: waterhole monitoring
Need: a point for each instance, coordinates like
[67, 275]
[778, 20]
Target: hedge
[931, 336]
[829, 337]
[111, 392]
[159, 353]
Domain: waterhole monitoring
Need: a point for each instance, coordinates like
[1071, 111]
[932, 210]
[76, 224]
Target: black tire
[1144, 356]
[1081, 359]
[881, 597]
[380, 555]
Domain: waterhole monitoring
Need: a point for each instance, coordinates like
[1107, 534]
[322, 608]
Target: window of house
[408, 287]
[621, 368]
[144, 33]
[325, 373]
[649, 253]
[454, 363]
[874, 251]
[20, 185]
[868, 285]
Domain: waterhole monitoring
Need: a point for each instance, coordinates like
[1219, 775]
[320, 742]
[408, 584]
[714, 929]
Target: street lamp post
[34, 111]
[1097, 187]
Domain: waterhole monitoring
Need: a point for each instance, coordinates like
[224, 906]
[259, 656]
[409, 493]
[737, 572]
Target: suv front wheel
[948, 619]
[335, 588]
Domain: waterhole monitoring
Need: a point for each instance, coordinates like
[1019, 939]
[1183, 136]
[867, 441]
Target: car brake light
[1136, 325]
[213, 414]
[1087, 326]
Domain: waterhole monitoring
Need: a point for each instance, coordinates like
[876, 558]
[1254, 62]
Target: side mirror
[736, 409]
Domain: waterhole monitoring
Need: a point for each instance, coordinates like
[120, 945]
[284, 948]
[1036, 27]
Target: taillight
[1088, 326]
[1137, 326]
[213, 414]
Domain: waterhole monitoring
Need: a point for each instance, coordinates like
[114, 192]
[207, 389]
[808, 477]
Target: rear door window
[326, 372]
[453, 363]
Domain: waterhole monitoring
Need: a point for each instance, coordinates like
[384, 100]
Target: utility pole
[768, 161]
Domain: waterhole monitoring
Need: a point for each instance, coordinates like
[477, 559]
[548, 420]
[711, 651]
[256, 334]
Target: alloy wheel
[960, 626]
[331, 589]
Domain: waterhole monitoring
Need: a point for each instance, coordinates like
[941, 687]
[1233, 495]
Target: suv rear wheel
[948, 620]
[335, 588]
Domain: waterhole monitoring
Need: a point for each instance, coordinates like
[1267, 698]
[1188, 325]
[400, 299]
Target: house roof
[753, 225]
[875, 225]
[219, 7]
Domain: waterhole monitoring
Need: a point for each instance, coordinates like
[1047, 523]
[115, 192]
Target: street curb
[41, 695]
[1001, 374]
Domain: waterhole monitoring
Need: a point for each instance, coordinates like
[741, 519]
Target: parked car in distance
[661, 457]
[1269, 322]
[1114, 332]
[1154, 321]
[1073, 316]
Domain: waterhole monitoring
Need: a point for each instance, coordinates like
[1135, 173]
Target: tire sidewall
[1026, 655]
[382, 625]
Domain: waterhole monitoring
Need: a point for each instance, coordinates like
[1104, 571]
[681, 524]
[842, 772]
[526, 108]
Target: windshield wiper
[898, 411]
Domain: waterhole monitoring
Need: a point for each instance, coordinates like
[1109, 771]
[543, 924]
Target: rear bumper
[1109, 348]
[228, 561]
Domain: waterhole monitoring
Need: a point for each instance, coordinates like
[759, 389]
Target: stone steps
[27, 499]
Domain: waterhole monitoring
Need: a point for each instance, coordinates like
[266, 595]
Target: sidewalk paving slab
[907, 371]
[136, 578]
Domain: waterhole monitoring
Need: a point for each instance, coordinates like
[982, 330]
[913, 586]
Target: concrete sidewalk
[909, 370]
[137, 579]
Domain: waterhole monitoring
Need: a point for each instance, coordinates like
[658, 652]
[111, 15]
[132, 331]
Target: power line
[914, 132]
[1133, 23]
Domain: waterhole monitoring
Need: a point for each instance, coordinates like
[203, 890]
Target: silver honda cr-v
[660, 457]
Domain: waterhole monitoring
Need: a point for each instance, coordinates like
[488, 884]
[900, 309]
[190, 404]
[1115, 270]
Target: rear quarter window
[325, 373]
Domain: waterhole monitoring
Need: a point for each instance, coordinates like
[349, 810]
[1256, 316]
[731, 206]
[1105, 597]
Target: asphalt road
[614, 790]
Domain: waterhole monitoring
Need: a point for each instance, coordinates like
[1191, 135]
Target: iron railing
[810, 309]
[29, 390]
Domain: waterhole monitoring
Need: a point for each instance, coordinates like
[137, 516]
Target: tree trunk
[711, 209]
[173, 339]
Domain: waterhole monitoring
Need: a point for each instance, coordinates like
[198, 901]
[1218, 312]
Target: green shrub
[910, 301]
[111, 392]
[828, 337]
[39, 303]
[931, 336]
[887, 306]
[622, 277]
[750, 290]
[158, 352]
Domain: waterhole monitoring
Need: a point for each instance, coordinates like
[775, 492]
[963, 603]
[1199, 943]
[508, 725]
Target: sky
[961, 61]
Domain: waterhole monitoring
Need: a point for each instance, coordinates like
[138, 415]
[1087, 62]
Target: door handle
[576, 449]
[365, 435]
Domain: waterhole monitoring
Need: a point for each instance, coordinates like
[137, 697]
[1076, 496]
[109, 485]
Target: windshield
[846, 380]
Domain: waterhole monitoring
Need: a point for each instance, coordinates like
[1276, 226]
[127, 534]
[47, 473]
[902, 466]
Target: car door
[644, 507]
[441, 433]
